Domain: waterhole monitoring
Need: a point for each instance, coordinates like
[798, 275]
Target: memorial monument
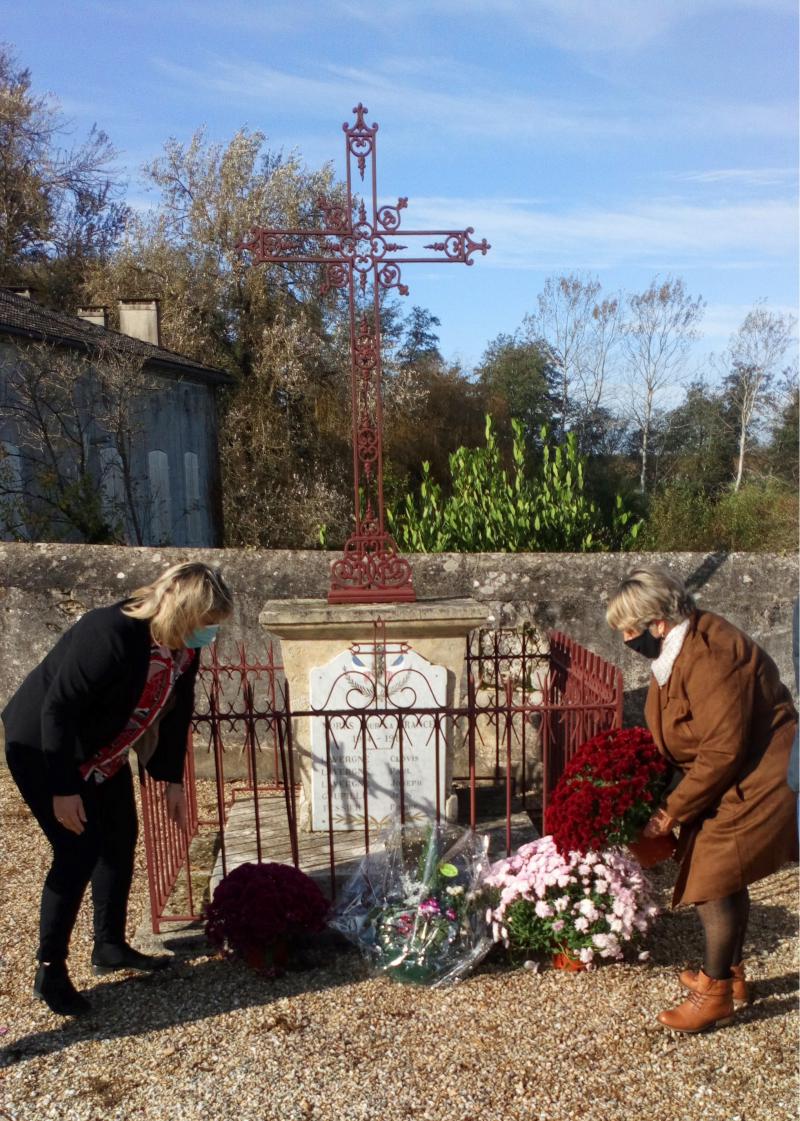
[372, 610]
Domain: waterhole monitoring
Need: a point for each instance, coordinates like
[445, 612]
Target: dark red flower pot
[650, 851]
[270, 958]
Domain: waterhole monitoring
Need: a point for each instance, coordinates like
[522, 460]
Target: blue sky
[624, 138]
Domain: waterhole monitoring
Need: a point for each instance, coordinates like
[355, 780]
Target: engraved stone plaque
[381, 720]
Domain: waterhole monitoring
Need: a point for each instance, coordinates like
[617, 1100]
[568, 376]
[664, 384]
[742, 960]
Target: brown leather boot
[709, 1005]
[741, 991]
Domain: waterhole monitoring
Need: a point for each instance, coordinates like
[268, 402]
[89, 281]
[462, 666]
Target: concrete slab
[242, 835]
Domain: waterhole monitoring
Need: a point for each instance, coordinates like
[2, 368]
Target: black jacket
[80, 697]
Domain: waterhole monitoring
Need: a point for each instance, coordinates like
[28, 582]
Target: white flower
[601, 886]
[587, 908]
[586, 955]
[644, 955]
[581, 924]
[457, 889]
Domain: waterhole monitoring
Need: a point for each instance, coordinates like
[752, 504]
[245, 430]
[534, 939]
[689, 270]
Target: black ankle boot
[53, 986]
[108, 958]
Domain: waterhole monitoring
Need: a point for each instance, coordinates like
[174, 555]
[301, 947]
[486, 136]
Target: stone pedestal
[313, 633]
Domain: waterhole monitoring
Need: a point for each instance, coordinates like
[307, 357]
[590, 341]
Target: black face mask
[645, 643]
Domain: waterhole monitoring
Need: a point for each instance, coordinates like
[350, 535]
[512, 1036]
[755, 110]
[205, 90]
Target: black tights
[724, 926]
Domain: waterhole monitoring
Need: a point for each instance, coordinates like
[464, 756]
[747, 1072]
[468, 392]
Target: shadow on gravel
[185, 993]
[677, 938]
[772, 1009]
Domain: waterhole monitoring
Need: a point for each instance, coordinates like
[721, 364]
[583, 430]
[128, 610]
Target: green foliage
[420, 341]
[517, 377]
[60, 205]
[491, 509]
[698, 440]
[759, 517]
[783, 455]
[526, 930]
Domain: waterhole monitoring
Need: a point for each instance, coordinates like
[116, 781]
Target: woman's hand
[659, 824]
[176, 804]
[69, 812]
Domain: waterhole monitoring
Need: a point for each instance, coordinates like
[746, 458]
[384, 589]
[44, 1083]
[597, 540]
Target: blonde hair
[179, 600]
[648, 593]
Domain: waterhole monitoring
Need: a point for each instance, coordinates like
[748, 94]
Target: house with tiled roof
[105, 434]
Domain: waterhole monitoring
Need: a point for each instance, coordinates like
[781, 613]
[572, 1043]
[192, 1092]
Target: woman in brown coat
[718, 711]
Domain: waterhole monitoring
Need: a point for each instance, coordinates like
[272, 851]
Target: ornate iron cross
[357, 248]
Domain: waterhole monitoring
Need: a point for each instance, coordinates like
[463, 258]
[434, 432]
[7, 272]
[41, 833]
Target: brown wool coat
[726, 720]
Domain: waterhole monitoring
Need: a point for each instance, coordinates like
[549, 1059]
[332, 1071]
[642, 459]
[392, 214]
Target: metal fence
[527, 705]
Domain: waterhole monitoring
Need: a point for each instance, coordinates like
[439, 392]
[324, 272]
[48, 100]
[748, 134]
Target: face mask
[645, 644]
[202, 636]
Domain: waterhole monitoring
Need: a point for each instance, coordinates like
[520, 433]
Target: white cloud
[590, 26]
[744, 176]
[475, 111]
[666, 235]
[503, 116]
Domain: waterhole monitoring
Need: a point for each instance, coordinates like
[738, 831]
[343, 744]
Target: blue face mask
[202, 636]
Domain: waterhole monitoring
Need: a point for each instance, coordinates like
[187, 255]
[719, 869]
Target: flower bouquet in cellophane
[416, 908]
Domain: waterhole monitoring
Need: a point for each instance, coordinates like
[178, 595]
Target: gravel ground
[208, 1039]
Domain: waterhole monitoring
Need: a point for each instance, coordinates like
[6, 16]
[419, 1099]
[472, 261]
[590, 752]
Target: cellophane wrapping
[416, 907]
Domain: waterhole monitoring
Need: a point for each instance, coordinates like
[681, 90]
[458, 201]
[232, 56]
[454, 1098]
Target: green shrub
[679, 518]
[760, 517]
[492, 510]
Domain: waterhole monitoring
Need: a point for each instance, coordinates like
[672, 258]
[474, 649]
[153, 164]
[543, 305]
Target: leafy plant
[491, 509]
[586, 905]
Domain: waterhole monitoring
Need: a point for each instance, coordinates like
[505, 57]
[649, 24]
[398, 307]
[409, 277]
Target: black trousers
[102, 855]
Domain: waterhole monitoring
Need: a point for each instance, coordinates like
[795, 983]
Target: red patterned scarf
[164, 670]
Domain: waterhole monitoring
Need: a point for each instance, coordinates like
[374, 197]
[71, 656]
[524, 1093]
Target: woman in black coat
[121, 676]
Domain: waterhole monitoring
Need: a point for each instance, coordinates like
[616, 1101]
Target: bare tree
[72, 419]
[661, 324]
[754, 356]
[580, 332]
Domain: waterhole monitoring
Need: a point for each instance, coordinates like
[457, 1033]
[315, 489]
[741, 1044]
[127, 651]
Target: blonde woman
[119, 675]
[718, 711]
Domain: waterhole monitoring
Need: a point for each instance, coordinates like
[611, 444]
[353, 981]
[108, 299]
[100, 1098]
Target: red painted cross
[357, 248]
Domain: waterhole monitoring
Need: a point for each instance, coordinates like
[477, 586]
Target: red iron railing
[524, 697]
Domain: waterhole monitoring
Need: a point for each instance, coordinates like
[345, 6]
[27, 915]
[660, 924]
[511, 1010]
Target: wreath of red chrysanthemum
[607, 792]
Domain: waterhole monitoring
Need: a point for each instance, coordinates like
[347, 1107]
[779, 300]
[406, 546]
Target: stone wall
[45, 587]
